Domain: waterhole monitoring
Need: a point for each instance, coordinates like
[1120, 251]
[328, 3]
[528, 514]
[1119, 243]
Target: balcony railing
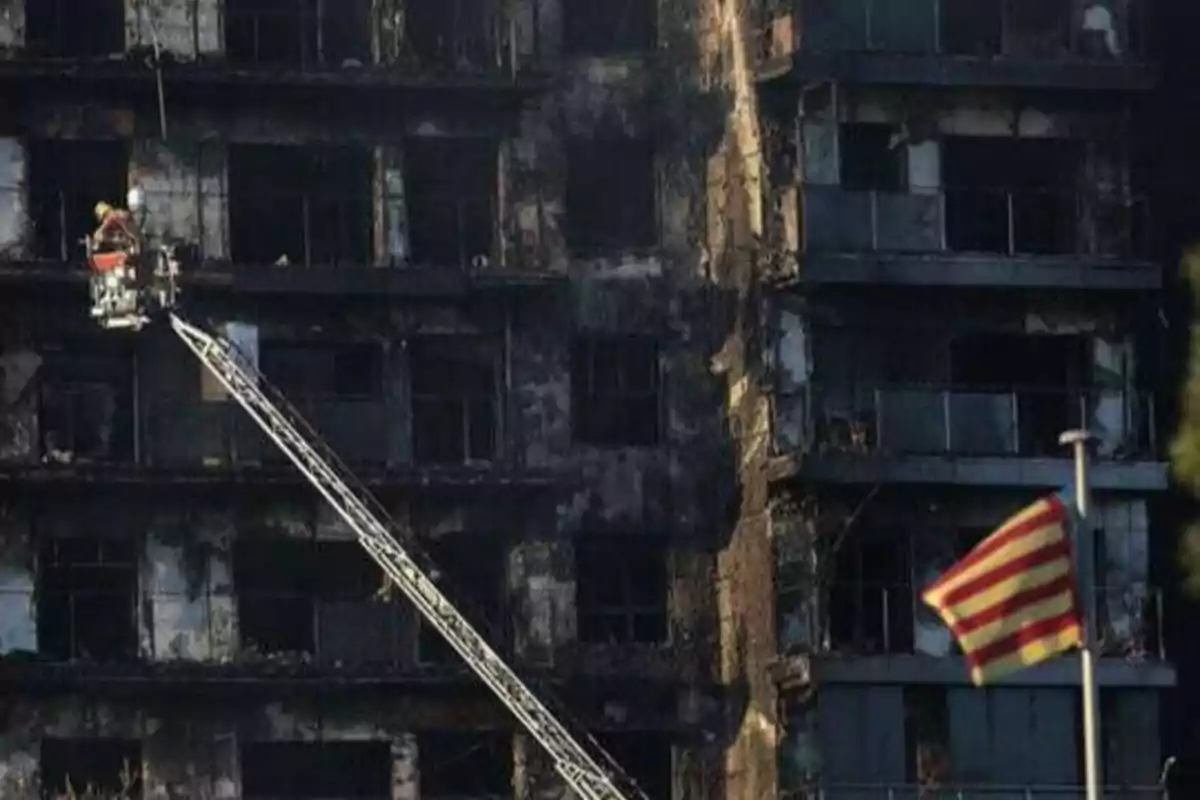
[888, 619]
[1041, 30]
[950, 791]
[269, 227]
[979, 221]
[919, 420]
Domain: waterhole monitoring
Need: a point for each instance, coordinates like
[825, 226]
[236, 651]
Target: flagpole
[1086, 570]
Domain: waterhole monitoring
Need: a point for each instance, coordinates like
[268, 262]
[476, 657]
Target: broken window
[620, 26]
[297, 32]
[90, 767]
[471, 569]
[450, 186]
[457, 765]
[645, 756]
[324, 370]
[75, 28]
[870, 158]
[300, 204]
[87, 599]
[610, 194]
[451, 35]
[871, 599]
[1039, 380]
[66, 180]
[344, 769]
[1012, 196]
[454, 400]
[615, 391]
[85, 403]
[1013, 28]
[621, 590]
[926, 736]
[313, 597]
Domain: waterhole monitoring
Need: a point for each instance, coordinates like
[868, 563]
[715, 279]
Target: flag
[1012, 601]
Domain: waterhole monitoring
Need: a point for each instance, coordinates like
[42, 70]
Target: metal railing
[1023, 222]
[922, 420]
[1042, 30]
[210, 225]
[950, 791]
[879, 619]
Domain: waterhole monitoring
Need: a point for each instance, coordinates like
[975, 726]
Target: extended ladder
[405, 566]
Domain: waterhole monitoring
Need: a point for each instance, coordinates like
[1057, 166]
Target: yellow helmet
[102, 210]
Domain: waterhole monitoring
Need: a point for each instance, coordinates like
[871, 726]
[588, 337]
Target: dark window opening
[297, 32]
[611, 195]
[85, 403]
[311, 371]
[471, 573]
[317, 770]
[972, 29]
[1014, 196]
[87, 599]
[450, 189]
[926, 736]
[622, 26]
[75, 28]
[455, 765]
[1046, 373]
[615, 391]
[454, 400]
[621, 591]
[313, 597]
[1037, 28]
[870, 161]
[871, 600]
[309, 205]
[645, 756]
[90, 767]
[66, 180]
[453, 35]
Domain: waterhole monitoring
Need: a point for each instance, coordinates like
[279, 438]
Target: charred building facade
[468, 241]
[975, 276]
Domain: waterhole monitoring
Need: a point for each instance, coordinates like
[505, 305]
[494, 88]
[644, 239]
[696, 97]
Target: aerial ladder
[124, 299]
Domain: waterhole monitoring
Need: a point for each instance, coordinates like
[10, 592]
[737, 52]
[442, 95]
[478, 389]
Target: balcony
[977, 237]
[951, 791]
[1018, 43]
[882, 633]
[968, 436]
[274, 242]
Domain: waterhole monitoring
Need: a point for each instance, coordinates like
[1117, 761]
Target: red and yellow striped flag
[1012, 602]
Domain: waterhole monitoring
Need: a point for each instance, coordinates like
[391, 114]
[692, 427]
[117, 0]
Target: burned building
[466, 240]
[975, 276]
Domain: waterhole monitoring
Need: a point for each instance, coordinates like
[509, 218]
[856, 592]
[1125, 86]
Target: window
[345, 769]
[621, 591]
[454, 400]
[85, 408]
[455, 765]
[87, 599]
[871, 602]
[297, 32]
[450, 189]
[324, 370]
[926, 736]
[75, 28]
[309, 205]
[315, 597]
[615, 391]
[472, 576]
[610, 195]
[105, 767]
[452, 34]
[869, 159]
[608, 28]
[66, 180]
[645, 756]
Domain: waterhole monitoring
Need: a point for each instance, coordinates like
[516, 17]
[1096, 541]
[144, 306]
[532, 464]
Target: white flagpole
[1085, 551]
